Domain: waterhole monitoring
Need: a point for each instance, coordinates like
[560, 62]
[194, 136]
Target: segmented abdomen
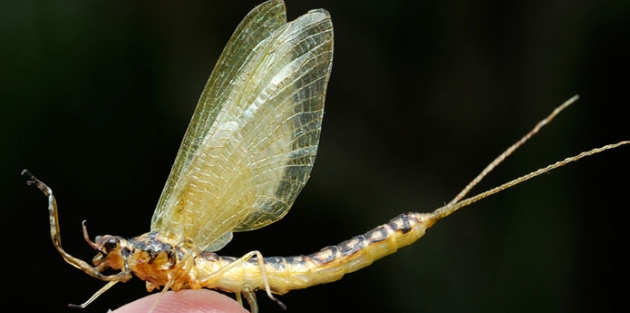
[330, 263]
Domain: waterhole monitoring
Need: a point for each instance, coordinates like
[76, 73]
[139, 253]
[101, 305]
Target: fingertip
[184, 301]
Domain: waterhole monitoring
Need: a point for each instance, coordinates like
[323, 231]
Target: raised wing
[261, 22]
[253, 139]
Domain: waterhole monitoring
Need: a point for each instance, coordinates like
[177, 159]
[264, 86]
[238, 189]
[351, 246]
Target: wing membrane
[293, 119]
[259, 23]
[252, 142]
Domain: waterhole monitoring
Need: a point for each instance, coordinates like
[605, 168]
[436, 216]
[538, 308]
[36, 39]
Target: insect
[245, 157]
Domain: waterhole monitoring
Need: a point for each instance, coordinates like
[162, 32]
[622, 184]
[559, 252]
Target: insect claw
[280, 304]
[32, 179]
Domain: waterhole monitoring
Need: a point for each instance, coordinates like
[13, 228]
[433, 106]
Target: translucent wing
[252, 142]
[259, 23]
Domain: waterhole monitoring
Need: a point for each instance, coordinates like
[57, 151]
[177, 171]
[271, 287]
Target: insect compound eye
[110, 244]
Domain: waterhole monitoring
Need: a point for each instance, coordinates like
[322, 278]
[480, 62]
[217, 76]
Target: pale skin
[185, 301]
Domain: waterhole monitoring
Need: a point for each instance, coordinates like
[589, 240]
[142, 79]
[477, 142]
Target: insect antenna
[86, 236]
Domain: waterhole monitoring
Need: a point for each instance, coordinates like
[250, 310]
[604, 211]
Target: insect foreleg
[124, 275]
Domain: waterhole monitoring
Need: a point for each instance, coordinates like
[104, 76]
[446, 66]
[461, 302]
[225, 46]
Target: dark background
[96, 95]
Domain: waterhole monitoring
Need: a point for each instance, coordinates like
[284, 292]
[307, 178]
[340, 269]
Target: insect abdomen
[331, 263]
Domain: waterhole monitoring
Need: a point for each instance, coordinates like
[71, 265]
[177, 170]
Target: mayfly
[246, 154]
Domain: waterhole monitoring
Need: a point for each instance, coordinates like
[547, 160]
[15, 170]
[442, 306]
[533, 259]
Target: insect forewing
[261, 22]
[252, 142]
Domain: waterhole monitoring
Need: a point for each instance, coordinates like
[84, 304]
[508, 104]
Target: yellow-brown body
[160, 262]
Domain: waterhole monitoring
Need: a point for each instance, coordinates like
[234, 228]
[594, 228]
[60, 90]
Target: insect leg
[184, 266]
[93, 297]
[124, 275]
[250, 296]
[239, 262]
[263, 272]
